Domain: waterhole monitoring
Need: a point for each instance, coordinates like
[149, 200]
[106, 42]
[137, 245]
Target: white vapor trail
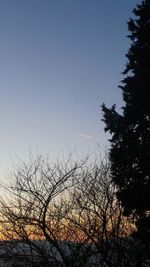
[46, 125]
[81, 134]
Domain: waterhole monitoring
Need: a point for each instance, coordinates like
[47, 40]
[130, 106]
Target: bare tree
[65, 214]
[34, 211]
[98, 216]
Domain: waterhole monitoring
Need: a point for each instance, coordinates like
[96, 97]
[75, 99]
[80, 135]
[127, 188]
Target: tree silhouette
[130, 131]
[64, 214]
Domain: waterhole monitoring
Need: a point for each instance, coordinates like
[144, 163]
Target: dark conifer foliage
[130, 131]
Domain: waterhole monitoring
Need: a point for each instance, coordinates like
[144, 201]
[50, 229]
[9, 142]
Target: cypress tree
[130, 130]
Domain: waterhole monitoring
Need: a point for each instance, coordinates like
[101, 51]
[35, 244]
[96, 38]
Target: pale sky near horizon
[59, 61]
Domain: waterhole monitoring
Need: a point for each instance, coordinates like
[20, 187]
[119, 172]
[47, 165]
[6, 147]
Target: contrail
[81, 134]
[44, 124]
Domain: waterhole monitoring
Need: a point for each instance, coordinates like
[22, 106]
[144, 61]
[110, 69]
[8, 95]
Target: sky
[59, 61]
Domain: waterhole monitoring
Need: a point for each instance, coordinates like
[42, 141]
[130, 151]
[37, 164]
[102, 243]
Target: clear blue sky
[59, 60]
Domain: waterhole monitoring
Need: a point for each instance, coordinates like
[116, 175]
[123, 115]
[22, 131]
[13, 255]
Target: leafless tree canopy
[66, 214]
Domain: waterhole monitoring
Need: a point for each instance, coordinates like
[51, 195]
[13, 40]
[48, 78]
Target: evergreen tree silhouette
[130, 131]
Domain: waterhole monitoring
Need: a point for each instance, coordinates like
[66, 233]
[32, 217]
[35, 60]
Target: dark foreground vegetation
[66, 215]
[130, 130]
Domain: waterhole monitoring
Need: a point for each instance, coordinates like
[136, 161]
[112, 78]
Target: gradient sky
[59, 61]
